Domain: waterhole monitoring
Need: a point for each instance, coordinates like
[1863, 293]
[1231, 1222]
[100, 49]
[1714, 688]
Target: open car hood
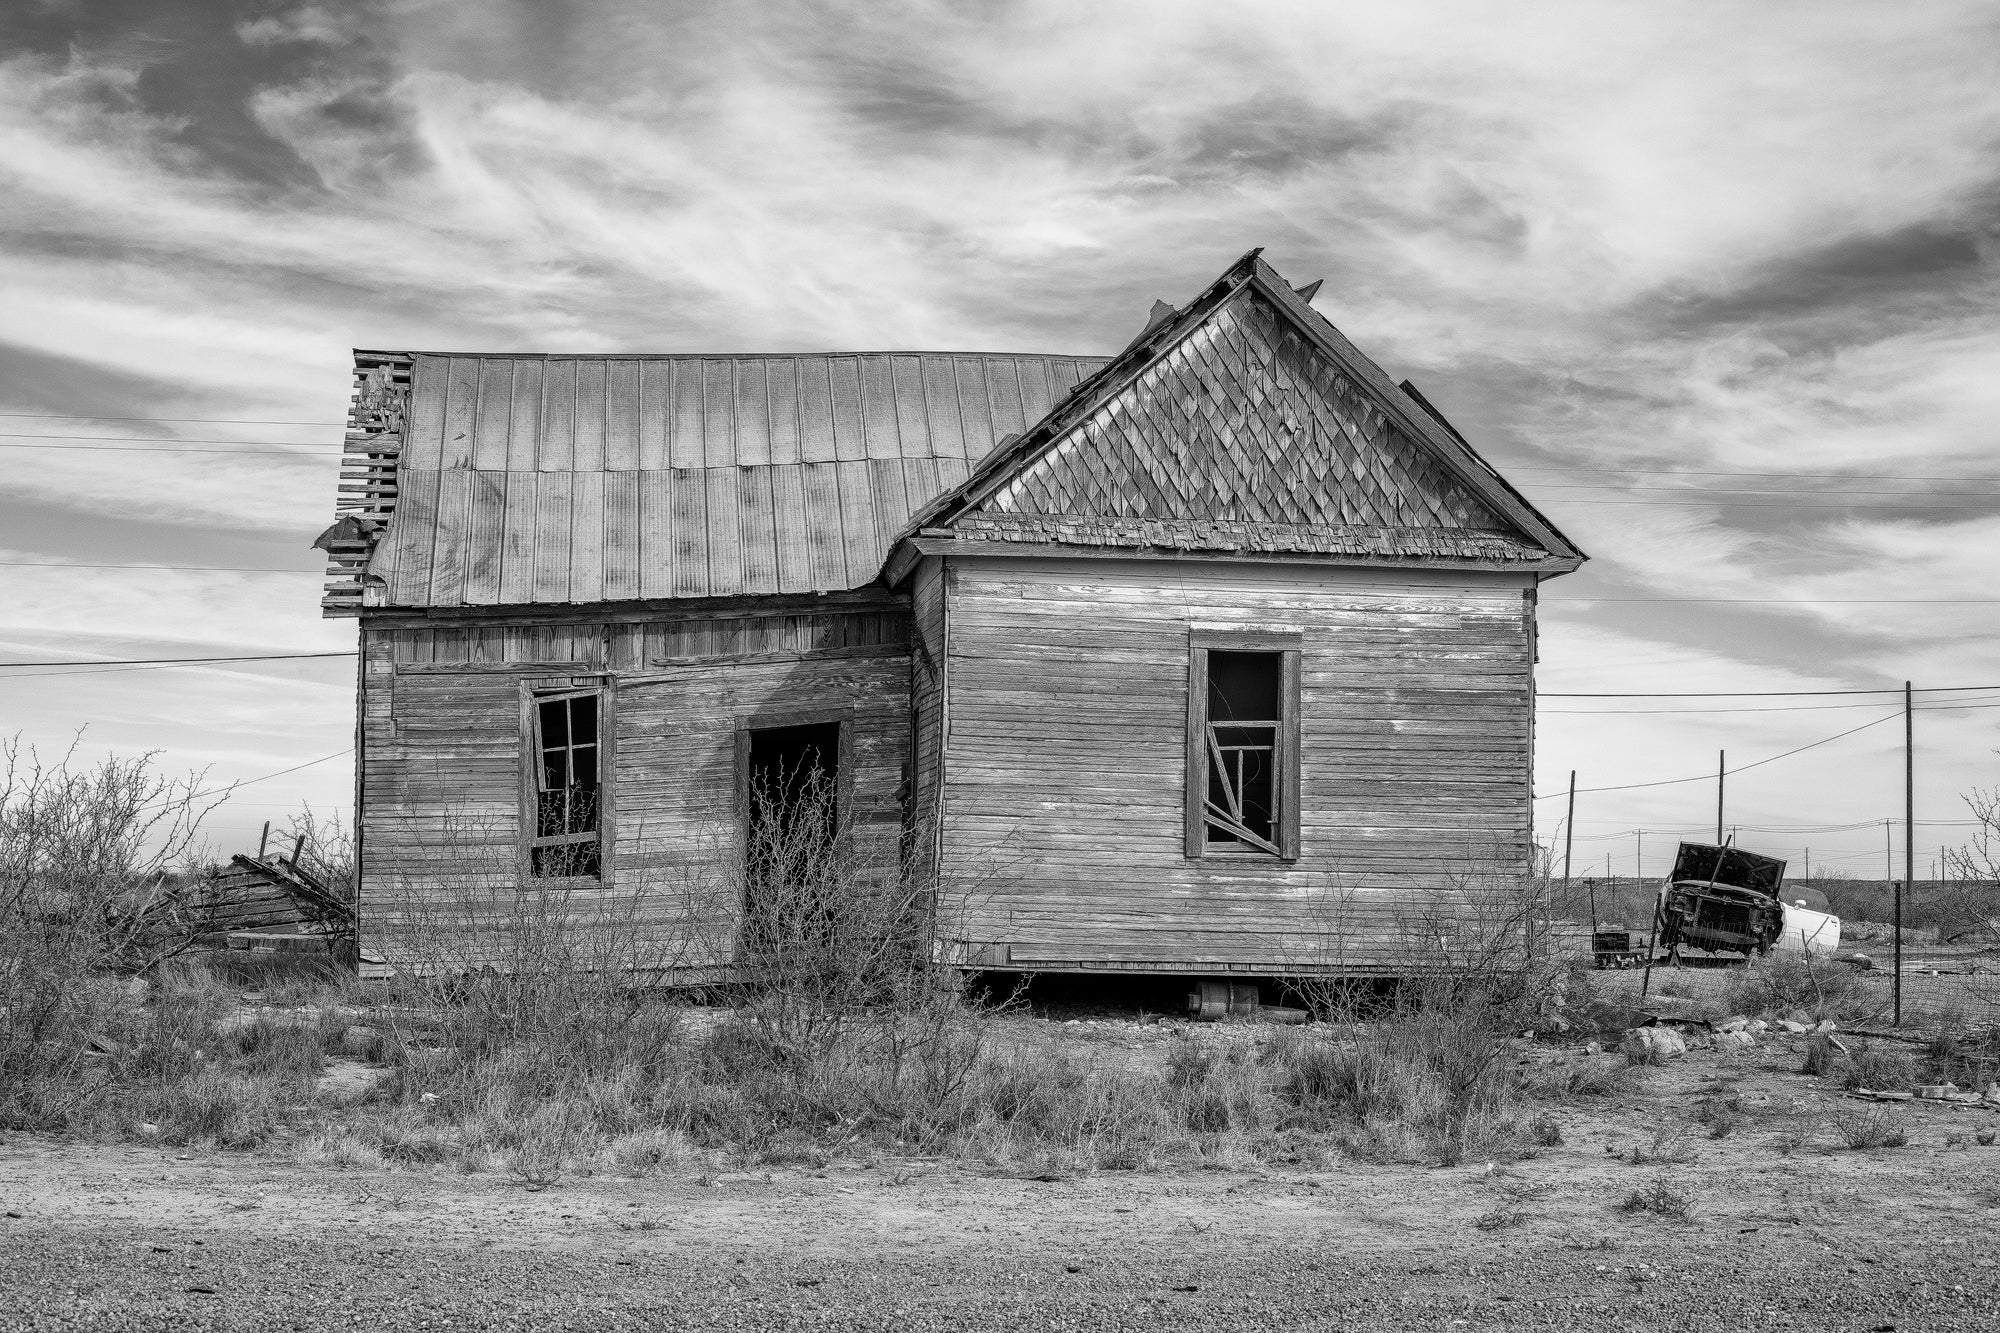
[1731, 866]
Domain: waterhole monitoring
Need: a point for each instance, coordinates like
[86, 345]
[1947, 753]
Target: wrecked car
[1729, 901]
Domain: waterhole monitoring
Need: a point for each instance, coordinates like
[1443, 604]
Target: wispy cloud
[1636, 252]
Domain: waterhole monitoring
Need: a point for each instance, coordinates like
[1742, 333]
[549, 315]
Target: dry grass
[1785, 982]
[538, 1051]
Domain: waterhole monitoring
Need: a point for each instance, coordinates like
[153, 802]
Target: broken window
[569, 805]
[1242, 751]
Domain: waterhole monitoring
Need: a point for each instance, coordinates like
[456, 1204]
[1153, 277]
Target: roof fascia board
[923, 546]
[868, 597]
[1463, 460]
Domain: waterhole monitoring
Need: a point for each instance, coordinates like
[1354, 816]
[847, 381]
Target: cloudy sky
[1715, 284]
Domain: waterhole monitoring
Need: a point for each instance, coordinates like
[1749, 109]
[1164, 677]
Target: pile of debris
[275, 899]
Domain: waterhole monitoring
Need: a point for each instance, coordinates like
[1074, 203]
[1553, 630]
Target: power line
[179, 569]
[1761, 694]
[1701, 472]
[247, 782]
[173, 661]
[1727, 503]
[204, 421]
[1545, 487]
[168, 449]
[1785, 601]
[173, 439]
[1772, 708]
[1705, 777]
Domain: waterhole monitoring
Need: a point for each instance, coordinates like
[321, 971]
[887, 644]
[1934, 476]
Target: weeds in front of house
[542, 1033]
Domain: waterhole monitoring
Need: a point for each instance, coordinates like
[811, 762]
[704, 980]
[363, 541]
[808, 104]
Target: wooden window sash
[535, 782]
[1204, 749]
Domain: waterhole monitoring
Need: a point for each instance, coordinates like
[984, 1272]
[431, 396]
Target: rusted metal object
[1727, 900]
[1213, 1001]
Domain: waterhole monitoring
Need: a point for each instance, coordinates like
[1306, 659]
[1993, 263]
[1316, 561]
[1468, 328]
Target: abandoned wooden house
[1211, 657]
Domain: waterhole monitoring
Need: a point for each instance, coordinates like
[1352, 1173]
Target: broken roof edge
[1162, 335]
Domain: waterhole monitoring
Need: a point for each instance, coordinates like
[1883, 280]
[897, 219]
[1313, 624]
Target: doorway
[791, 837]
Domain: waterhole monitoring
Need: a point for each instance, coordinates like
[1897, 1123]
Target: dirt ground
[1787, 1228]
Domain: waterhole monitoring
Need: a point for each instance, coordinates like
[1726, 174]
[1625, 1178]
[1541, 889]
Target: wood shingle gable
[1247, 423]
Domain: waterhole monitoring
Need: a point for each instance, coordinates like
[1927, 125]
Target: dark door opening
[793, 836]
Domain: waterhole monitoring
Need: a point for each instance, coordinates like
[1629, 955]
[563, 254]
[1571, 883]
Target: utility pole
[1909, 831]
[1569, 843]
[1721, 772]
[1569, 824]
[1807, 877]
[1639, 858]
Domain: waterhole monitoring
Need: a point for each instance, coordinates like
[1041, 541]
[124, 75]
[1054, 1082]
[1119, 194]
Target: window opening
[793, 837]
[568, 795]
[1245, 692]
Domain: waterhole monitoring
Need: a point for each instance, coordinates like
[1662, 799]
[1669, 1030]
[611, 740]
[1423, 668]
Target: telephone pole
[1569, 824]
[1909, 831]
[1721, 774]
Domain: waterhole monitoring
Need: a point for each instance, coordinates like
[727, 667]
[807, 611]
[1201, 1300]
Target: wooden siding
[441, 730]
[927, 697]
[1065, 763]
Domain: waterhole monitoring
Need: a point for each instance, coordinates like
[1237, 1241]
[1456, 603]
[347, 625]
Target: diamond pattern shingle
[1239, 432]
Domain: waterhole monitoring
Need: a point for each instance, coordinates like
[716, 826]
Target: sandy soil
[1787, 1230]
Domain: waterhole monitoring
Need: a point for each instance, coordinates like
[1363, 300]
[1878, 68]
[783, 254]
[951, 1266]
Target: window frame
[533, 694]
[1288, 645]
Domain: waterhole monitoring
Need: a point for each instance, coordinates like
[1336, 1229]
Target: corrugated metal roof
[551, 479]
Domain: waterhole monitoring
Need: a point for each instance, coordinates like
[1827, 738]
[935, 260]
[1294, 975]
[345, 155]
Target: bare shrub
[1424, 1077]
[1660, 1199]
[1669, 1146]
[89, 857]
[1862, 1128]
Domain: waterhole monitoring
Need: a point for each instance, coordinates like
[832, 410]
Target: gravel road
[120, 1238]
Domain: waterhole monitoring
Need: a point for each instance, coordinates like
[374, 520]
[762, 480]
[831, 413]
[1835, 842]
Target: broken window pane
[567, 800]
[1244, 715]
